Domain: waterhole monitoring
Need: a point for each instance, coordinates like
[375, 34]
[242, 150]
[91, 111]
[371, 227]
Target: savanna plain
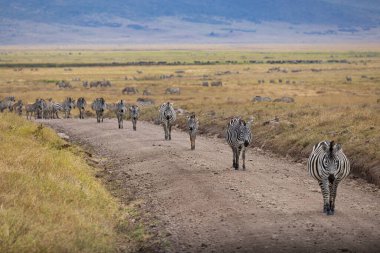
[295, 98]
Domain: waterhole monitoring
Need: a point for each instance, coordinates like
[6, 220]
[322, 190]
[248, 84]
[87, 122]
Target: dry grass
[326, 107]
[50, 199]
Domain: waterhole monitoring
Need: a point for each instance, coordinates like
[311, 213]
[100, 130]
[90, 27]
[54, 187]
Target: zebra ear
[325, 147]
[250, 122]
[337, 147]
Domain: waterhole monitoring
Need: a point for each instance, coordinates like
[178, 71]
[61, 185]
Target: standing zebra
[56, 107]
[120, 112]
[192, 127]
[49, 111]
[17, 107]
[238, 136]
[167, 117]
[134, 113]
[81, 104]
[7, 103]
[99, 106]
[40, 109]
[67, 105]
[328, 165]
[33, 109]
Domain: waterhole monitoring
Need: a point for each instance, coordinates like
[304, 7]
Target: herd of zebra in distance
[327, 162]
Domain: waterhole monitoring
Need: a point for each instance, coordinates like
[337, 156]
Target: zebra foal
[328, 165]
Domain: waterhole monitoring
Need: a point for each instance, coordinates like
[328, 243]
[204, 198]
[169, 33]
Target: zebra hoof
[330, 212]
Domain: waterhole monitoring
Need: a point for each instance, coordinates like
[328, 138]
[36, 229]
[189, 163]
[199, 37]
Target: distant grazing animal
[129, 90]
[167, 117]
[68, 105]
[120, 112]
[216, 83]
[173, 90]
[328, 165]
[99, 105]
[134, 113]
[192, 128]
[348, 79]
[104, 83]
[81, 104]
[238, 136]
[63, 84]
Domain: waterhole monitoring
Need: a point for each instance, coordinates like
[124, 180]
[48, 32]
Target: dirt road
[206, 206]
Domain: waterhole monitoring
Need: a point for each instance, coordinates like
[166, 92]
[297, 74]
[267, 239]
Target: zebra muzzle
[246, 143]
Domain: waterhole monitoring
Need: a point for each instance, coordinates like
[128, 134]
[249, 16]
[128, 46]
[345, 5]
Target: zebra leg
[238, 150]
[134, 125]
[326, 196]
[192, 140]
[166, 131]
[170, 131]
[243, 156]
[233, 158]
[333, 189]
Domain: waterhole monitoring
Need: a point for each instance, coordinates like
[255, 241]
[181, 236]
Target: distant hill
[191, 21]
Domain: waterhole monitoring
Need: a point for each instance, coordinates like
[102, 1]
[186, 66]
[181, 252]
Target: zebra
[56, 108]
[34, 109]
[120, 112]
[40, 109]
[238, 136]
[167, 117]
[134, 113]
[81, 104]
[49, 111]
[173, 90]
[328, 165]
[67, 105]
[99, 105]
[192, 127]
[17, 107]
[7, 103]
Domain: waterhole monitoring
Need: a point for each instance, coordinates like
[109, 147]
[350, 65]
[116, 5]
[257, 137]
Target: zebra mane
[331, 146]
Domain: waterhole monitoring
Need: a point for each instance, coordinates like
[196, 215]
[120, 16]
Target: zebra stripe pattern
[238, 136]
[7, 103]
[134, 113]
[81, 104]
[167, 117]
[120, 112]
[67, 105]
[99, 106]
[328, 165]
[192, 128]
